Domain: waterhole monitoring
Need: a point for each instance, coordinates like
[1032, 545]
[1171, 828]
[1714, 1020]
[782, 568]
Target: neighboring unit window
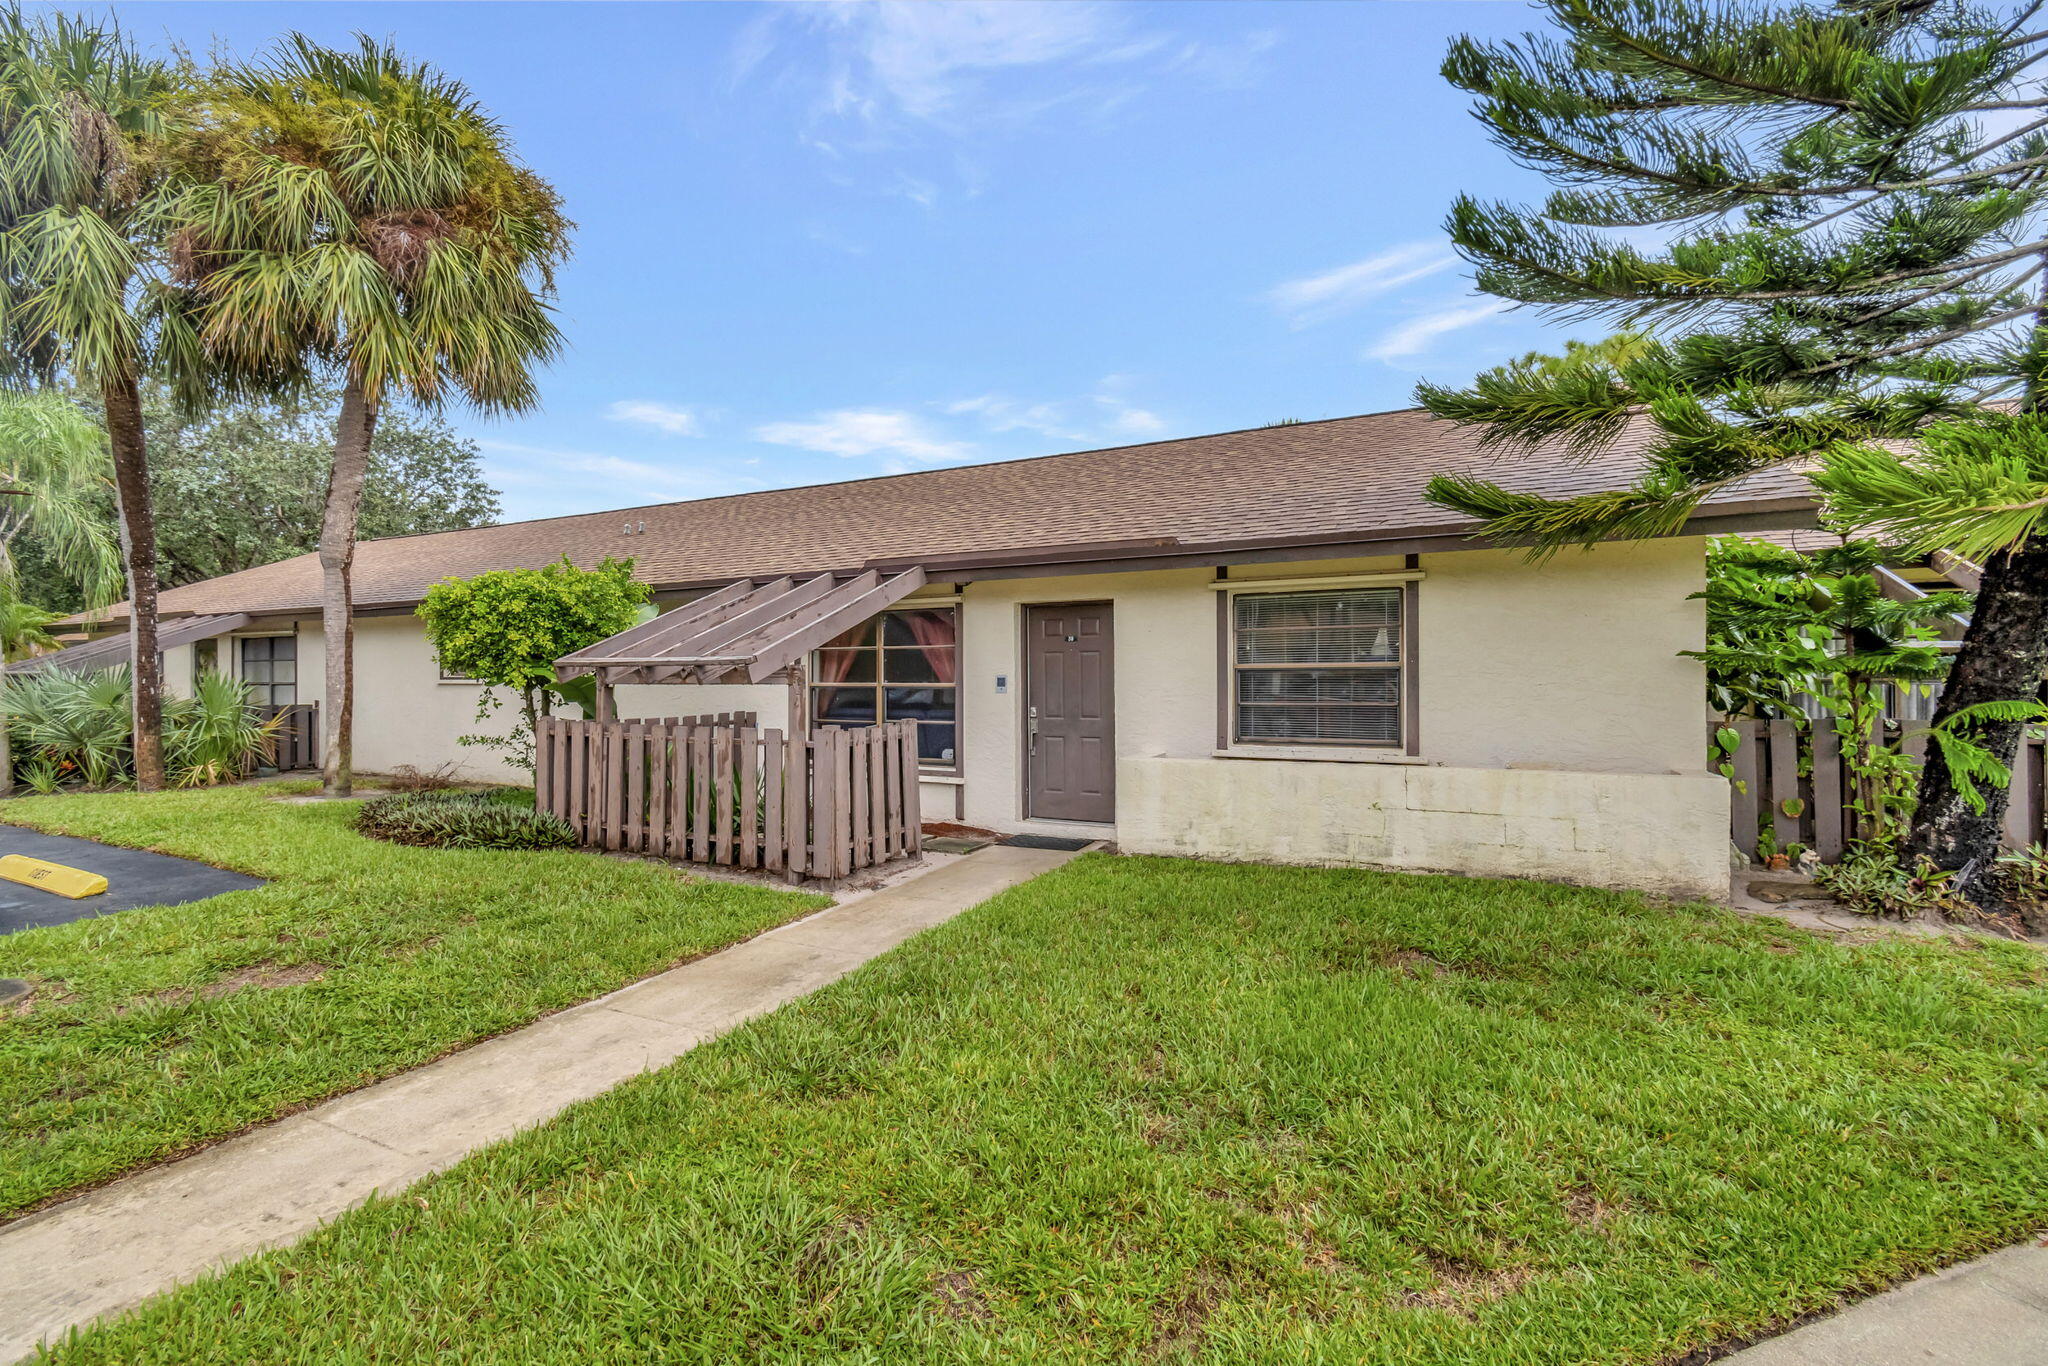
[1318, 668]
[899, 666]
[270, 666]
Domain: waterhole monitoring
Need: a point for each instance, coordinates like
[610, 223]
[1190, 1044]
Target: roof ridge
[900, 474]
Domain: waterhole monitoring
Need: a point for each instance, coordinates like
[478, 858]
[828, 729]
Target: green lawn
[1146, 1109]
[154, 1030]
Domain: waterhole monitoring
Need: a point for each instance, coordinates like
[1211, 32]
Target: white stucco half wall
[1660, 832]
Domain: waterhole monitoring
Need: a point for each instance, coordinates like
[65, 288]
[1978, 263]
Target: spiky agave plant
[356, 211]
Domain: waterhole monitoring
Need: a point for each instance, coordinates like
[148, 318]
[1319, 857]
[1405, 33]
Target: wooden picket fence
[719, 789]
[1793, 777]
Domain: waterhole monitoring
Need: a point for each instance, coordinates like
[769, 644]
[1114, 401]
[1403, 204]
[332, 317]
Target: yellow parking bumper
[51, 877]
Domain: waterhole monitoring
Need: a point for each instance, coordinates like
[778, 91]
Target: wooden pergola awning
[112, 650]
[745, 632]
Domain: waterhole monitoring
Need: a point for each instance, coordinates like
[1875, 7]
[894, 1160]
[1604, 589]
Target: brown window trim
[1227, 740]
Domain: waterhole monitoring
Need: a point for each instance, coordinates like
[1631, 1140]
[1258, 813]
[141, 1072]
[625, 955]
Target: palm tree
[24, 634]
[80, 115]
[357, 211]
[53, 463]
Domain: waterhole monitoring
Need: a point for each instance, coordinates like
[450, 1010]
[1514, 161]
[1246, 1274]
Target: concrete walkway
[1990, 1312]
[112, 1248]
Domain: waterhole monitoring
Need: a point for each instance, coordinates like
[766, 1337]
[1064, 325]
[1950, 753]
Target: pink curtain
[934, 634]
[834, 665]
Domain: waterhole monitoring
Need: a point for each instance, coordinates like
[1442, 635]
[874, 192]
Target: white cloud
[999, 413]
[926, 59]
[542, 481]
[1101, 416]
[1136, 422]
[1414, 336]
[1314, 298]
[877, 74]
[661, 416]
[854, 432]
[1124, 417]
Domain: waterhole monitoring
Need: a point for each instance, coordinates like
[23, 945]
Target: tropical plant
[25, 630]
[1874, 882]
[358, 211]
[211, 736]
[82, 118]
[78, 727]
[244, 483]
[78, 723]
[41, 777]
[506, 628]
[1851, 252]
[53, 474]
[1790, 631]
[53, 467]
[464, 820]
[2025, 874]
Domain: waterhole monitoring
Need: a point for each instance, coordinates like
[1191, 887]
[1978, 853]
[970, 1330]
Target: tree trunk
[6, 748]
[2004, 657]
[352, 433]
[122, 398]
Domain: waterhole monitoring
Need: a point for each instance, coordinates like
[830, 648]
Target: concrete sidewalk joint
[112, 1248]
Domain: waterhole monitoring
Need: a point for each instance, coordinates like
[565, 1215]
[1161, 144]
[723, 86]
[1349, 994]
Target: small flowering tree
[506, 628]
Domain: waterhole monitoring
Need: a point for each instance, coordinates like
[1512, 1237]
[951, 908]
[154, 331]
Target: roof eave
[1168, 552]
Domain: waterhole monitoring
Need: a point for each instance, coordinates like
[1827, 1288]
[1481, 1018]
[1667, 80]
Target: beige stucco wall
[1561, 735]
[1560, 732]
[404, 713]
[178, 676]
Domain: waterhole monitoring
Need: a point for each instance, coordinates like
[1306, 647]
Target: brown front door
[1070, 714]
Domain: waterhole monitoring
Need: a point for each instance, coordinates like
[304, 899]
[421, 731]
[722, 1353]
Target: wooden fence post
[1828, 830]
[747, 751]
[724, 816]
[796, 802]
[913, 797]
[775, 840]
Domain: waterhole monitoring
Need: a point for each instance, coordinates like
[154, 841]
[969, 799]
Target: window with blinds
[1318, 668]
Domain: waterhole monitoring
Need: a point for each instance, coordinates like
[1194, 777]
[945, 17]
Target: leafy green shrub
[464, 820]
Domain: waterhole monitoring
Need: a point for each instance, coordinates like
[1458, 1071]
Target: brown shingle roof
[1313, 481]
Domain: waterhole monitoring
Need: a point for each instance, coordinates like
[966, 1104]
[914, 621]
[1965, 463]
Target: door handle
[1033, 731]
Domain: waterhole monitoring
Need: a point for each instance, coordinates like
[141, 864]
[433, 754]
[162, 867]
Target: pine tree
[1850, 207]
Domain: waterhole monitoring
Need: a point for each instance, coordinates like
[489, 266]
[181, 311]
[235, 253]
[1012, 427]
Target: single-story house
[1261, 644]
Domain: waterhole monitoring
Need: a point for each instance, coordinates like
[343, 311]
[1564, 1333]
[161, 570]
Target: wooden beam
[799, 638]
[642, 638]
[1957, 570]
[1901, 589]
[720, 643]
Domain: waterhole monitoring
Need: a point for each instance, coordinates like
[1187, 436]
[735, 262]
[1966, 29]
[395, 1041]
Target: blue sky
[820, 242]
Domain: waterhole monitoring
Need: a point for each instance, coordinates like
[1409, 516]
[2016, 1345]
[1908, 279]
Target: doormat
[1046, 842]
